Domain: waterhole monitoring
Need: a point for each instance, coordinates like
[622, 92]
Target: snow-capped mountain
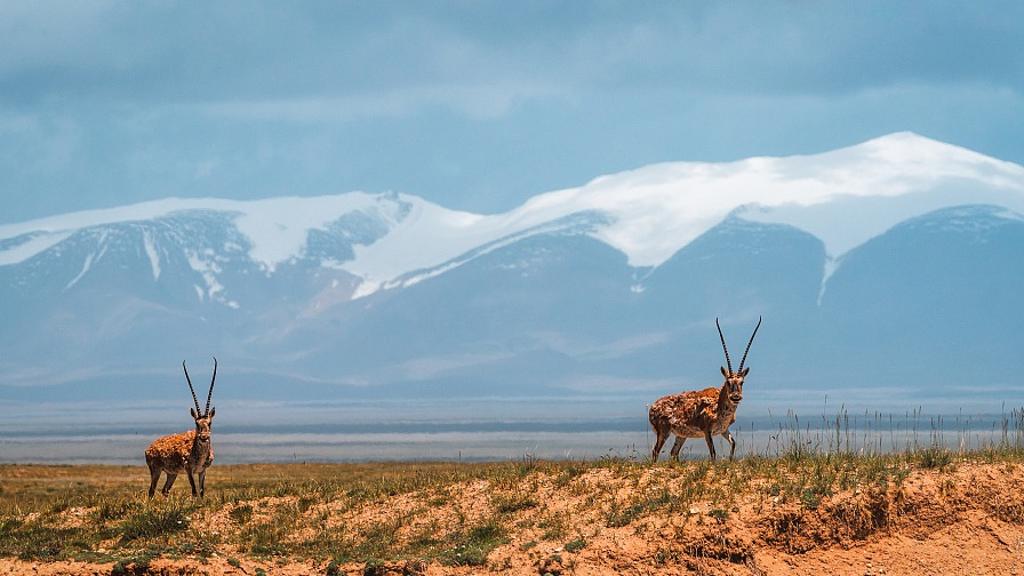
[844, 198]
[601, 287]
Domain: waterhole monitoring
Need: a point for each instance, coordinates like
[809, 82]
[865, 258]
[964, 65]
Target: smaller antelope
[701, 413]
[190, 451]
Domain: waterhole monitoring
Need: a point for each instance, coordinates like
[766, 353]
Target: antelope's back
[684, 408]
[179, 445]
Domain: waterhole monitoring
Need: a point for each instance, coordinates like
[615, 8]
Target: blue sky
[471, 104]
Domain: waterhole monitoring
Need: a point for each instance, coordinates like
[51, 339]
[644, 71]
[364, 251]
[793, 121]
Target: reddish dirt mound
[968, 519]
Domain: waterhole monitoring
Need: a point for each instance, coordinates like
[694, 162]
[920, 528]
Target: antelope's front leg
[732, 443]
[202, 483]
[711, 444]
[192, 482]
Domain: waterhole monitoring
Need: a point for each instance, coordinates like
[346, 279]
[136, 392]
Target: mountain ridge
[649, 213]
[546, 300]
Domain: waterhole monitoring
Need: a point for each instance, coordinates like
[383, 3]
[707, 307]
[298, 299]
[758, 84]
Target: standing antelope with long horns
[190, 451]
[701, 413]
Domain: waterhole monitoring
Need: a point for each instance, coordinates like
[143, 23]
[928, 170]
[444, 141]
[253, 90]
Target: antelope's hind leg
[662, 433]
[676, 447]
[168, 483]
[732, 443]
[154, 477]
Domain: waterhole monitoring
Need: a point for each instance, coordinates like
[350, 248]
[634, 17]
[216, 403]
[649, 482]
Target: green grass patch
[575, 545]
[134, 565]
[512, 503]
[935, 458]
[39, 541]
[241, 515]
[157, 520]
[619, 516]
[472, 547]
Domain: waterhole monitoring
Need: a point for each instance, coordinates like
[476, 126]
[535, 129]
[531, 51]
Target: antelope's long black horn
[212, 381]
[191, 389]
[728, 363]
[749, 343]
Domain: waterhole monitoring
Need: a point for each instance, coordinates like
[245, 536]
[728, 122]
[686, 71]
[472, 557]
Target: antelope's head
[733, 386]
[203, 418]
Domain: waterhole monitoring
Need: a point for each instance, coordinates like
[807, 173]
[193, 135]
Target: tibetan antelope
[190, 451]
[701, 413]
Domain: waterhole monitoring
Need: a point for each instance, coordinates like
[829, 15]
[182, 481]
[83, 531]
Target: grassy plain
[753, 516]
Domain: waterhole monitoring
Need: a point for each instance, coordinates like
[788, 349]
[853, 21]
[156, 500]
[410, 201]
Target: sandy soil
[968, 521]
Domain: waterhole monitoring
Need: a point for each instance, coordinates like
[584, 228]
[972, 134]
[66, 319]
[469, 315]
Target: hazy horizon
[480, 428]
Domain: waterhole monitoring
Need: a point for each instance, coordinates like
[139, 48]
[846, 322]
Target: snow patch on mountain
[27, 245]
[576, 222]
[154, 258]
[276, 227]
[85, 269]
[208, 265]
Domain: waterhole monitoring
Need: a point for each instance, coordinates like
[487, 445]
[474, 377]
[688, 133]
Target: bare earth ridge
[814, 515]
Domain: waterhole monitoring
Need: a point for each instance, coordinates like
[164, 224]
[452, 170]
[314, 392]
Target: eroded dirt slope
[809, 518]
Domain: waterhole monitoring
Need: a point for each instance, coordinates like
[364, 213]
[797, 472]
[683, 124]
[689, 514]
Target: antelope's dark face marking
[734, 384]
[203, 424]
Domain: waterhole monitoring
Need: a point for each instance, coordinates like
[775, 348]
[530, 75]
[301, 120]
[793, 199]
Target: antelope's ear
[193, 412]
[724, 373]
[212, 412]
[744, 373]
